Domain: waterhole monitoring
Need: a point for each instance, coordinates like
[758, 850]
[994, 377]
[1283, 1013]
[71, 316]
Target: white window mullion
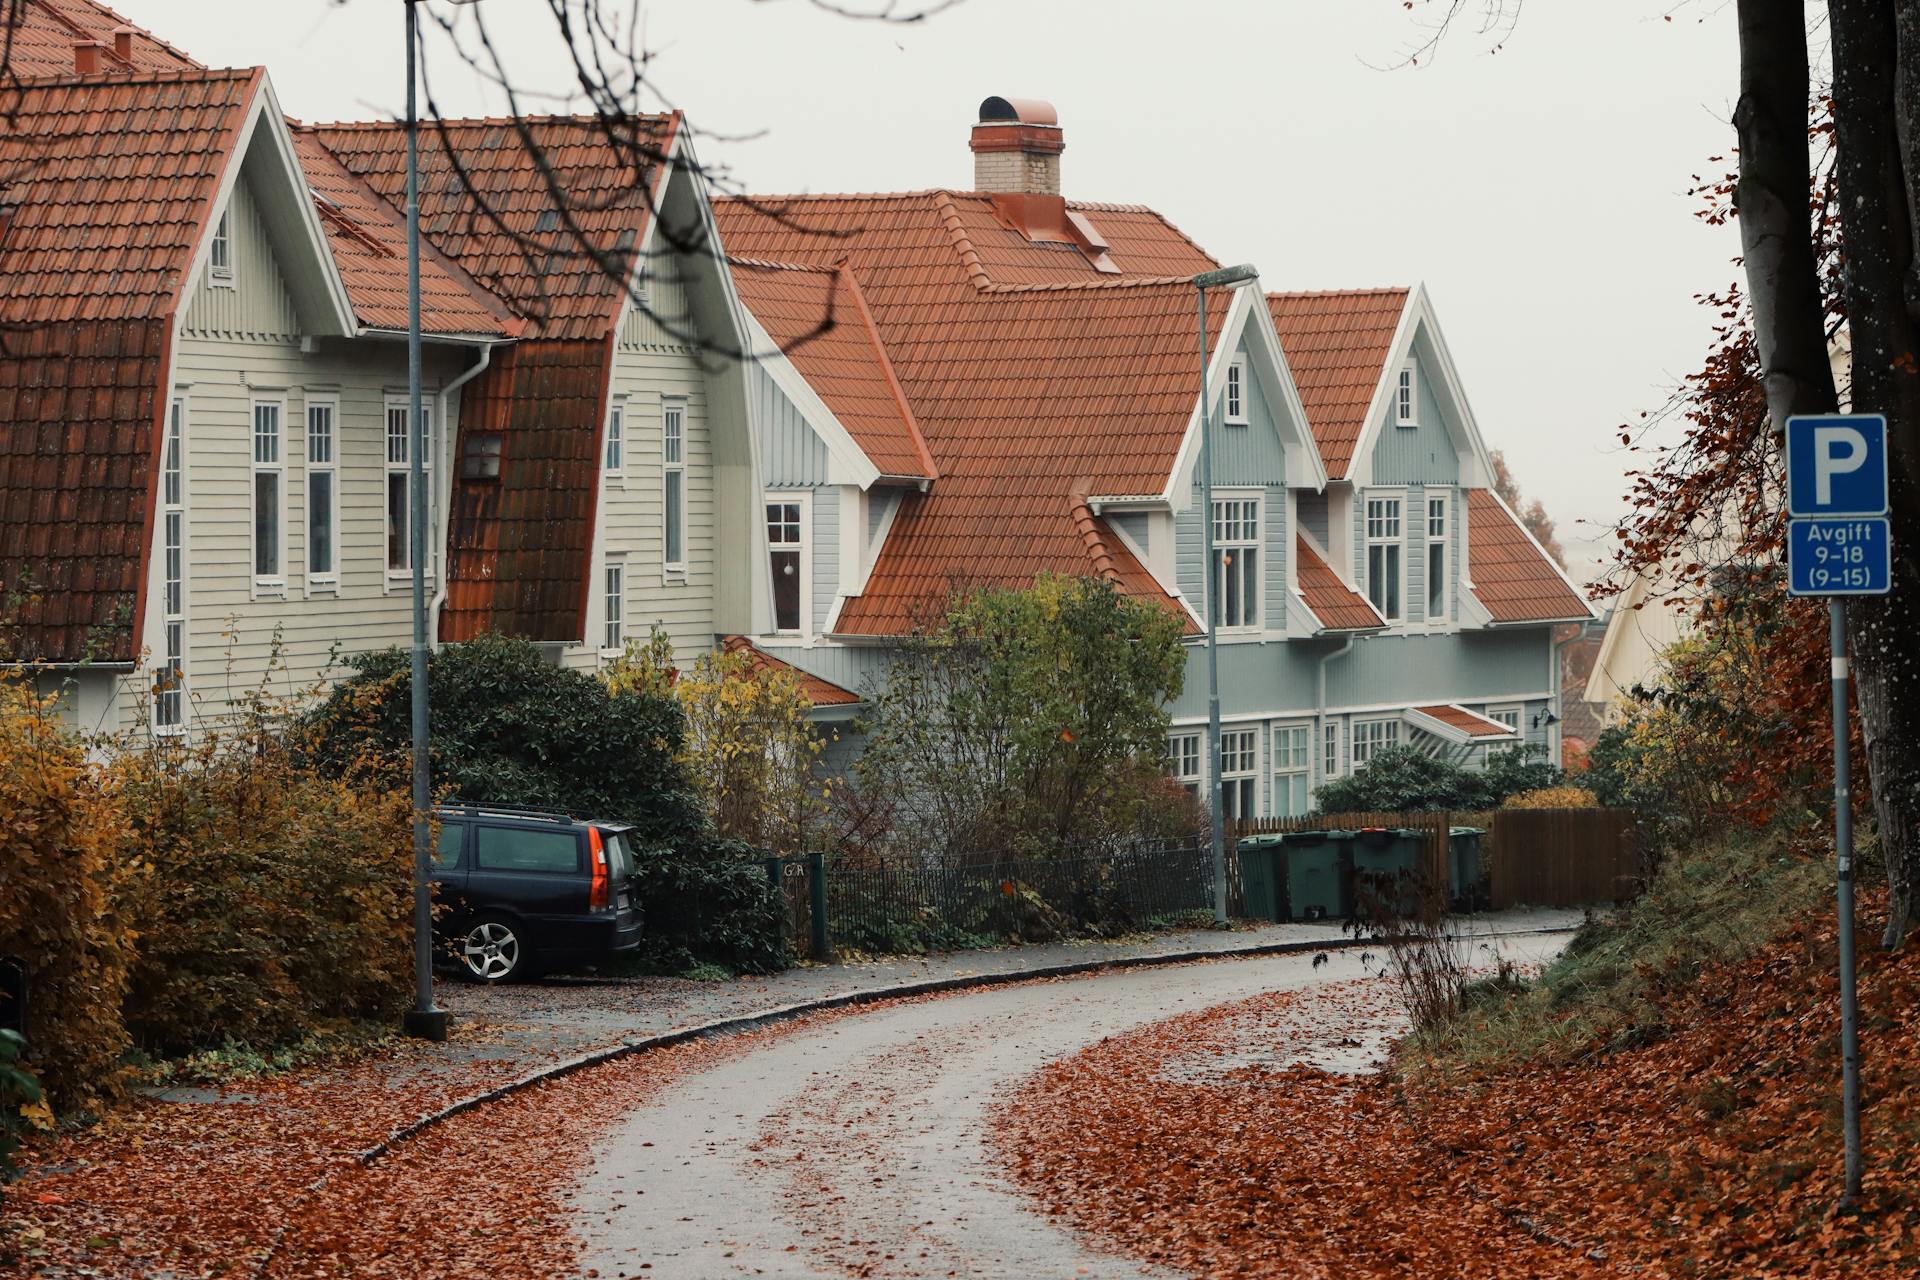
[789, 517]
[269, 507]
[323, 495]
[1438, 566]
[170, 679]
[615, 638]
[1292, 769]
[1386, 554]
[673, 497]
[399, 492]
[1234, 596]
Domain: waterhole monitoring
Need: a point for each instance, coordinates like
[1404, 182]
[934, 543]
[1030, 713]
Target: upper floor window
[786, 551]
[1236, 393]
[673, 458]
[269, 497]
[322, 495]
[1370, 736]
[170, 680]
[400, 483]
[1235, 601]
[220, 251]
[1436, 566]
[616, 439]
[1183, 760]
[1406, 398]
[1239, 773]
[1384, 565]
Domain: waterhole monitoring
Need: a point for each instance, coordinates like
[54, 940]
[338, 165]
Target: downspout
[446, 491]
[1320, 704]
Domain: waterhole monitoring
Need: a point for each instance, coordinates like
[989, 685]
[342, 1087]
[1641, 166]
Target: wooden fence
[1533, 857]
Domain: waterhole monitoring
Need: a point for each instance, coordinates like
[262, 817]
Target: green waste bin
[1387, 865]
[1263, 889]
[1319, 875]
[1463, 862]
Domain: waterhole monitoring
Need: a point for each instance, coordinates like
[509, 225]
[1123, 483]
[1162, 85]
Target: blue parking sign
[1837, 465]
[1840, 557]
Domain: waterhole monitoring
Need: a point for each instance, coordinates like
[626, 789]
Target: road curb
[740, 1024]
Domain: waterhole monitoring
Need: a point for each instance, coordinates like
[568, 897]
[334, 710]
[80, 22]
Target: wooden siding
[791, 454]
[257, 306]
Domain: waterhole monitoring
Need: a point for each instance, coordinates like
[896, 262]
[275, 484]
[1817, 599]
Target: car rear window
[525, 849]
[619, 853]
[446, 854]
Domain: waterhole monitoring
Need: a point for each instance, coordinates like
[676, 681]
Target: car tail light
[597, 896]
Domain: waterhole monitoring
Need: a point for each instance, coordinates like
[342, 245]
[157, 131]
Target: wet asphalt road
[856, 1148]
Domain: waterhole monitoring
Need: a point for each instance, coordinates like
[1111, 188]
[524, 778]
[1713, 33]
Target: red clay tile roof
[111, 180]
[44, 35]
[369, 241]
[1336, 344]
[822, 693]
[817, 317]
[1109, 558]
[1512, 576]
[1470, 723]
[1035, 379]
[1338, 606]
[486, 204]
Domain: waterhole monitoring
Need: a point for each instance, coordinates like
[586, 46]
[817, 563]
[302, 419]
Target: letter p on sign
[1837, 465]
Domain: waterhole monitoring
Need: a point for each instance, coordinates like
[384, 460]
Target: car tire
[494, 949]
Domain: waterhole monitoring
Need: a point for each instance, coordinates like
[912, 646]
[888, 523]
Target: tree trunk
[1783, 283]
[1876, 54]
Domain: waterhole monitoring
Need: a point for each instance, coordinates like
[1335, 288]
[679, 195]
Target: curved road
[856, 1148]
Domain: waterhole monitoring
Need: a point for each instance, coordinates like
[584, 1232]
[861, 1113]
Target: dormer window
[1406, 398]
[1236, 396]
[220, 252]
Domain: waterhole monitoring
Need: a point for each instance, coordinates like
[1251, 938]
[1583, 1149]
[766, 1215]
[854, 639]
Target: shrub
[60, 866]
[1405, 779]
[21, 1101]
[268, 899]
[1562, 797]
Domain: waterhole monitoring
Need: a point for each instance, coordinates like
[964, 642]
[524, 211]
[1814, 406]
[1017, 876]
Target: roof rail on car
[508, 810]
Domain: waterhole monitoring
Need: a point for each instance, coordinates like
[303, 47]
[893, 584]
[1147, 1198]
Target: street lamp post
[426, 1020]
[1224, 278]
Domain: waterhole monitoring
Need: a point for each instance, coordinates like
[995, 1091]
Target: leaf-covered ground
[1219, 1143]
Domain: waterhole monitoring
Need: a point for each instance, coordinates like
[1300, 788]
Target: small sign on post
[1839, 544]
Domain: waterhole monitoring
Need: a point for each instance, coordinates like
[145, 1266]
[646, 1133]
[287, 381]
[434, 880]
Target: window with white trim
[1235, 598]
[220, 250]
[269, 497]
[616, 438]
[1384, 568]
[1239, 773]
[673, 460]
[1235, 395]
[1370, 736]
[170, 680]
[1438, 518]
[787, 560]
[1183, 761]
[399, 484]
[323, 495]
[1292, 763]
[1508, 716]
[615, 638]
[1330, 766]
[1406, 398]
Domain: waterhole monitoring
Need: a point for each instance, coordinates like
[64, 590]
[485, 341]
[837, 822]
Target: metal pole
[1843, 850]
[425, 1020]
[1217, 819]
[817, 906]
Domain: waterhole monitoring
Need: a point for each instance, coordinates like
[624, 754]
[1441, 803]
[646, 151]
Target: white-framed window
[1439, 533]
[1406, 397]
[615, 638]
[1183, 760]
[1292, 765]
[170, 678]
[1239, 773]
[323, 494]
[787, 561]
[1330, 761]
[1385, 570]
[1236, 393]
[1235, 598]
[1508, 716]
[400, 489]
[616, 460]
[269, 498]
[673, 461]
[220, 250]
[1370, 736]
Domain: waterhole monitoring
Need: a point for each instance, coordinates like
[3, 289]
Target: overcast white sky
[1538, 192]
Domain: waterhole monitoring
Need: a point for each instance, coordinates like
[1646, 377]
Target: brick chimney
[86, 57]
[1016, 147]
[123, 44]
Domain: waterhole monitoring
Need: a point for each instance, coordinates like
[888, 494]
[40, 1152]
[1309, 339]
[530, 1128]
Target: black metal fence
[904, 906]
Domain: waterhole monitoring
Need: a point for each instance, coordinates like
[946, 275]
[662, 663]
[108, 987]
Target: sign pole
[1843, 849]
